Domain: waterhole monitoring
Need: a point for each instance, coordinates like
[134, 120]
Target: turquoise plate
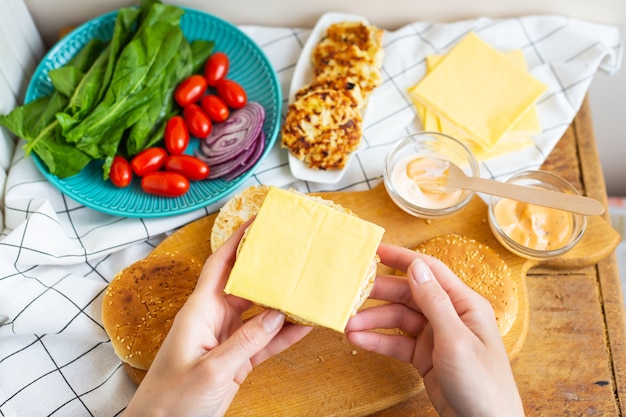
[248, 65]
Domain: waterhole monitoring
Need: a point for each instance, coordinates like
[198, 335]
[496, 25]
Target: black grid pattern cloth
[57, 256]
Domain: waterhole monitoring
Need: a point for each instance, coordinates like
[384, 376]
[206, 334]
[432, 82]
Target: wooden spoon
[452, 177]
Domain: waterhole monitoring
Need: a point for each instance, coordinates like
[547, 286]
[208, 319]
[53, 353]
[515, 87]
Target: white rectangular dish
[303, 75]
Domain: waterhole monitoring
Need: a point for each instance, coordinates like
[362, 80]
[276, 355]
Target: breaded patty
[321, 129]
[353, 63]
[351, 49]
[339, 35]
[346, 85]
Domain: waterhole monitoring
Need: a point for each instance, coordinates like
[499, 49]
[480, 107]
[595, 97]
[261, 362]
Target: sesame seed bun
[482, 269]
[140, 303]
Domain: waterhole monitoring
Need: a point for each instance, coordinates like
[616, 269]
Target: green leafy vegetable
[36, 121]
[149, 129]
[112, 97]
[66, 79]
[96, 81]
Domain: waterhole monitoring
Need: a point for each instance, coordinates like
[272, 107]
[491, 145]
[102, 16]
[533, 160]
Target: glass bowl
[427, 153]
[532, 231]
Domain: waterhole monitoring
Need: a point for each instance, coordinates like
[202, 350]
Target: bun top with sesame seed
[482, 269]
[140, 303]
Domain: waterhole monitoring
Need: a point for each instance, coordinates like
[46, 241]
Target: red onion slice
[231, 169]
[241, 128]
[252, 159]
[236, 144]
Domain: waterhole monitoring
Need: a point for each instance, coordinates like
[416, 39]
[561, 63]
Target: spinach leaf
[65, 79]
[145, 132]
[28, 121]
[95, 82]
[36, 120]
[36, 123]
[200, 50]
[112, 92]
[140, 67]
[149, 130]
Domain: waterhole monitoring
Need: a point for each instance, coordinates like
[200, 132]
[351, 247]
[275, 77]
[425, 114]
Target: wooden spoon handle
[541, 197]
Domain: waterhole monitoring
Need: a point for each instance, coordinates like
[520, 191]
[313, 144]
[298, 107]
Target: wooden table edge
[609, 284]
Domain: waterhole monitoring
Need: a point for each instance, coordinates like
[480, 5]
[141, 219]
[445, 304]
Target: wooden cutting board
[323, 375]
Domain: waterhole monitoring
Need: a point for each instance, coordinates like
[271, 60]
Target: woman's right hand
[451, 336]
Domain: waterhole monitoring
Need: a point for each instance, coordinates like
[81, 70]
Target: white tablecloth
[56, 256]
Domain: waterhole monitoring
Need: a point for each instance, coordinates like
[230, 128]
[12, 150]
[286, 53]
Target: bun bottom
[136, 375]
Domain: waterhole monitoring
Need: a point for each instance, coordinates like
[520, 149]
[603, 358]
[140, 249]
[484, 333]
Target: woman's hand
[209, 351]
[451, 338]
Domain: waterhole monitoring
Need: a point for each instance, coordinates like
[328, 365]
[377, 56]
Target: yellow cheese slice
[508, 143]
[305, 258]
[430, 121]
[478, 89]
[504, 146]
[527, 124]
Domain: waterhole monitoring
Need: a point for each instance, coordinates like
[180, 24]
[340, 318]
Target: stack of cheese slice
[481, 96]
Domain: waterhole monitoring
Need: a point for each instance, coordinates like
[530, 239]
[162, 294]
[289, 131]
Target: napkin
[479, 95]
[57, 256]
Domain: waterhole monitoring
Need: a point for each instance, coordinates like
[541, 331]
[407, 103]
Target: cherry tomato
[165, 184]
[191, 167]
[198, 122]
[215, 108]
[176, 135]
[232, 93]
[148, 160]
[121, 175]
[190, 90]
[216, 68]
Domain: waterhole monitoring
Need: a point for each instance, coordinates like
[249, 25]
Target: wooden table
[573, 362]
[573, 336]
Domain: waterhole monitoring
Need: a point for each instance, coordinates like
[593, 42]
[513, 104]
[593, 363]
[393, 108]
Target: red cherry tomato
[148, 160]
[216, 68]
[121, 175]
[165, 184]
[191, 167]
[176, 135]
[232, 93]
[190, 90]
[198, 122]
[215, 108]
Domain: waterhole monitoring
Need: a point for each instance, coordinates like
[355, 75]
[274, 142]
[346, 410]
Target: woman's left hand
[209, 350]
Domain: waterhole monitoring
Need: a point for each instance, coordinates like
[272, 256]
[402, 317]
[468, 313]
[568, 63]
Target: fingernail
[420, 272]
[272, 320]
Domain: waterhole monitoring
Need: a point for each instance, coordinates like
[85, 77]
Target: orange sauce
[533, 226]
[410, 175]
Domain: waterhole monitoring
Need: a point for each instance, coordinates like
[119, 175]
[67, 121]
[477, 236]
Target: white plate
[303, 75]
